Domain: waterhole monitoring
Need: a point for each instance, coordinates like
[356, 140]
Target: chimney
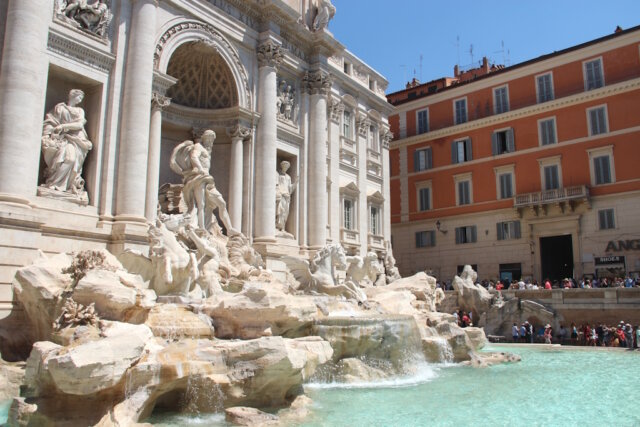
[456, 71]
[485, 64]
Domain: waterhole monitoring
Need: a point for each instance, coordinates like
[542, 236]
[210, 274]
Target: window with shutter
[503, 142]
[422, 159]
[545, 88]
[547, 131]
[597, 120]
[551, 181]
[464, 193]
[423, 121]
[425, 239]
[425, 202]
[347, 214]
[461, 151]
[506, 188]
[501, 100]
[460, 111]
[606, 219]
[466, 234]
[602, 170]
[593, 74]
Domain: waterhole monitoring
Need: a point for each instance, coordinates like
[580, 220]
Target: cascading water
[444, 349]
[372, 351]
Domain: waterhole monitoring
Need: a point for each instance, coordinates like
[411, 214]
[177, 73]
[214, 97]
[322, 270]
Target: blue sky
[390, 35]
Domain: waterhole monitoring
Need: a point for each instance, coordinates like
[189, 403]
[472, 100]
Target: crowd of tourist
[567, 283]
[601, 335]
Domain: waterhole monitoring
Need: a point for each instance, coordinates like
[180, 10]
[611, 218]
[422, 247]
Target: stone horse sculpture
[169, 268]
[363, 271]
[319, 274]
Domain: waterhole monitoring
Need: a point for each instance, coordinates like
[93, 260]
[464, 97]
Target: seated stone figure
[65, 145]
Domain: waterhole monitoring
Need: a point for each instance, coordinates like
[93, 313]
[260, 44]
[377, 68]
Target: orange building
[528, 171]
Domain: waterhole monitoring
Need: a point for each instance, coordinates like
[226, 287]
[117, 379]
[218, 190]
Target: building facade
[267, 76]
[526, 171]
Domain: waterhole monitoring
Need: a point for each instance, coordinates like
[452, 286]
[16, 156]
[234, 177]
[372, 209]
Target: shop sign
[623, 245]
[608, 260]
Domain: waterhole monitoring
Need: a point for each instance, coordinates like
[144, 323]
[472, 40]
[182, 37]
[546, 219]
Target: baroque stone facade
[273, 85]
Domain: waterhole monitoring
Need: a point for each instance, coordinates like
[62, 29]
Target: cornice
[74, 49]
[556, 104]
[533, 69]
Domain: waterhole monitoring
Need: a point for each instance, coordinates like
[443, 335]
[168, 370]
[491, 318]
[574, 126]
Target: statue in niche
[286, 103]
[192, 161]
[93, 17]
[65, 145]
[284, 189]
[326, 11]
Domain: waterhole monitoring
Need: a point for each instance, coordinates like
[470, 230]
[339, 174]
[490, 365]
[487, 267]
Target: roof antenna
[471, 53]
[421, 67]
[458, 49]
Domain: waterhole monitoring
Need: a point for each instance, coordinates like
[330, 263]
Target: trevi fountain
[195, 226]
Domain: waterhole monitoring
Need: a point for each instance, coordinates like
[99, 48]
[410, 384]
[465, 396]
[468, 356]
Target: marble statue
[192, 161]
[391, 271]
[93, 17]
[286, 105]
[363, 271]
[169, 267]
[284, 190]
[326, 11]
[65, 145]
[318, 276]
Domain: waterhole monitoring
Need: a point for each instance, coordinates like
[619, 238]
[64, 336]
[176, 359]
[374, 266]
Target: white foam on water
[423, 373]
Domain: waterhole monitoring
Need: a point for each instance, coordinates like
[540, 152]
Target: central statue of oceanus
[192, 161]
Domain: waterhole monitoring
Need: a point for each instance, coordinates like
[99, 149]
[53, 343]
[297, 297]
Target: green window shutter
[494, 144]
[454, 153]
[468, 150]
[511, 146]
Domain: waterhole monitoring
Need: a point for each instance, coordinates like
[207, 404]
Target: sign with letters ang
[623, 245]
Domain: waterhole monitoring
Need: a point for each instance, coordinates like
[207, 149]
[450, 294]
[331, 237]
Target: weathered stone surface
[22, 413]
[476, 337]
[484, 360]
[355, 370]
[457, 339]
[174, 322]
[117, 295]
[392, 302]
[245, 416]
[471, 297]
[38, 288]
[98, 365]
[260, 309]
[11, 377]
[499, 319]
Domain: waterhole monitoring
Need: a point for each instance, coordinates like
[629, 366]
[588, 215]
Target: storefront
[610, 266]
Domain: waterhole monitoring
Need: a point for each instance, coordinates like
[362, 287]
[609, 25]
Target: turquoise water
[4, 411]
[549, 387]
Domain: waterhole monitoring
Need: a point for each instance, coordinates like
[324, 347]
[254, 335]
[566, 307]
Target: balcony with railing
[564, 198]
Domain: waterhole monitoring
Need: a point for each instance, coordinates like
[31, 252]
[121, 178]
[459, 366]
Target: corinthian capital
[270, 54]
[317, 82]
[386, 136]
[239, 131]
[159, 101]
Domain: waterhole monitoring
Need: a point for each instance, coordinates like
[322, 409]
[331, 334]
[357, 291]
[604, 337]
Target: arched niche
[204, 78]
[177, 33]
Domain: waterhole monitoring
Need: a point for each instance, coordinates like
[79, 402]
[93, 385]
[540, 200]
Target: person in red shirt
[499, 286]
[547, 284]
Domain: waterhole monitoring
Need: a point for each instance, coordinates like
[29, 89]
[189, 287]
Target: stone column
[362, 128]
[236, 174]
[385, 138]
[23, 85]
[136, 104]
[158, 102]
[318, 84]
[269, 58]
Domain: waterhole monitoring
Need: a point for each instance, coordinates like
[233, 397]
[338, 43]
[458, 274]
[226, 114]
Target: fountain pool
[550, 386]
